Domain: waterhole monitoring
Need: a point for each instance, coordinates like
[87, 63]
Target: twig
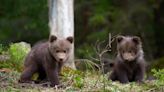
[3, 78]
[101, 52]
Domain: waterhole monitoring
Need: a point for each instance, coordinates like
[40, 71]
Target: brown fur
[46, 59]
[129, 64]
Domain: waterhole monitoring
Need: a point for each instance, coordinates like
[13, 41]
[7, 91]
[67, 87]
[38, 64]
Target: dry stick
[97, 50]
[3, 78]
[106, 49]
[100, 53]
[102, 66]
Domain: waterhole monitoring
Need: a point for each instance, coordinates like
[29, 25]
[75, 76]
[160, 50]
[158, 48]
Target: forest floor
[70, 80]
[77, 81]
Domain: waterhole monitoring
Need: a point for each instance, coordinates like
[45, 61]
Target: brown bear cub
[46, 59]
[129, 65]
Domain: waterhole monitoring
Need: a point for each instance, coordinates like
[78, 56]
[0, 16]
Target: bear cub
[129, 64]
[46, 59]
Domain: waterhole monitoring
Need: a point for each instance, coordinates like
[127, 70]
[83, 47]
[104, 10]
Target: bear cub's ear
[52, 38]
[136, 40]
[119, 38]
[70, 39]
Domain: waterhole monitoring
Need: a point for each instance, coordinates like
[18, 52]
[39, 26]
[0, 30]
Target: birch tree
[61, 22]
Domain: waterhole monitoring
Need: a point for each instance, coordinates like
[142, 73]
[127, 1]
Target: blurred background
[27, 20]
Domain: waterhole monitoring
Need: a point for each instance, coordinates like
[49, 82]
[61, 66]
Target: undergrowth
[16, 53]
[71, 80]
[74, 80]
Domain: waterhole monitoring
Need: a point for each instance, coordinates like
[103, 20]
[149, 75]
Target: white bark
[61, 22]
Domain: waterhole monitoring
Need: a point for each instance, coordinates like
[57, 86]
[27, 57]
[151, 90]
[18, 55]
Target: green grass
[78, 81]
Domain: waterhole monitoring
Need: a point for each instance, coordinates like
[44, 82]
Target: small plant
[78, 81]
[159, 74]
[72, 77]
[17, 53]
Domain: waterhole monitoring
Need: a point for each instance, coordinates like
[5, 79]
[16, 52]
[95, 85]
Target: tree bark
[61, 22]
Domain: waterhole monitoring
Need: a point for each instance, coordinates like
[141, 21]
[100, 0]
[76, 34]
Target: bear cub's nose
[60, 59]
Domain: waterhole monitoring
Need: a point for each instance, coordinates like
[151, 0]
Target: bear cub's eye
[64, 51]
[57, 51]
[130, 51]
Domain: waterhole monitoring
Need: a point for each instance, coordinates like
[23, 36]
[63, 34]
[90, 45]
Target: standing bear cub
[129, 64]
[46, 59]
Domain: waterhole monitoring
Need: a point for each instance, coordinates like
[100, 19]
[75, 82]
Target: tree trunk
[61, 22]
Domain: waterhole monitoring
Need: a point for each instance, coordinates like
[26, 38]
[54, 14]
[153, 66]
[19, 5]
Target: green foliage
[77, 77]
[159, 74]
[78, 81]
[17, 53]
